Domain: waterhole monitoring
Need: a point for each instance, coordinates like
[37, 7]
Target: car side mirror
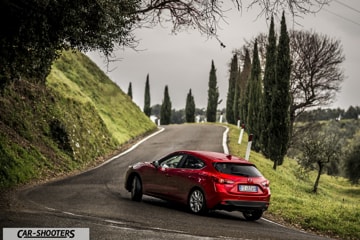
[156, 164]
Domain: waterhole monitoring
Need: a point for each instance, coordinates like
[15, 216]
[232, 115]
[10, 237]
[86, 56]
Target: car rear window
[238, 169]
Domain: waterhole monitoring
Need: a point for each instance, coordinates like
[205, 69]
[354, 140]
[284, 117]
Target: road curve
[97, 200]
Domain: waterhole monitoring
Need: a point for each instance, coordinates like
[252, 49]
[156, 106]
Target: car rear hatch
[240, 179]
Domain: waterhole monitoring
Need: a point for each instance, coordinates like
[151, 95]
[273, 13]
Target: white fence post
[241, 134]
[247, 155]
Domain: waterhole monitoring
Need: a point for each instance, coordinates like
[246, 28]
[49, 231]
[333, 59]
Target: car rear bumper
[235, 205]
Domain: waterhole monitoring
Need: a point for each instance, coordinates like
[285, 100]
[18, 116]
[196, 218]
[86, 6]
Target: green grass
[75, 74]
[77, 118]
[334, 210]
[81, 115]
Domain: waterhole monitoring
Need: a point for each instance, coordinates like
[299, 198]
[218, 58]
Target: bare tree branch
[205, 15]
[316, 73]
[316, 70]
[42, 29]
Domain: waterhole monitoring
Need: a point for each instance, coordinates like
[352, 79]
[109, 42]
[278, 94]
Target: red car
[203, 181]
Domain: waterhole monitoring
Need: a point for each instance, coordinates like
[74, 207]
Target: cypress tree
[280, 117]
[129, 93]
[213, 95]
[255, 101]
[230, 117]
[269, 83]
[244, 77]
[165, 112]
[190, 108]
[147, 108]
[236, 105]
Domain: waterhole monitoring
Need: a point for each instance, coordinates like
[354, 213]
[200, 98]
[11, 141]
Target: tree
[190, 108]
[165, 113]
[319, 149]
[319, 114]
[178, 116]
[236, 105]
[129, 93]
[269, 84]
[213, 95]
[147, 108]
[352, 164]
[316, 71]
[352, 113]
[262, 42]
[243, 82]
[279, 126]
[155, 110]
[230, 117]
[40, 30]
[254, 113]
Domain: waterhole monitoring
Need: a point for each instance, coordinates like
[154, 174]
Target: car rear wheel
[197, 202]
[253, 215]
[136, 189]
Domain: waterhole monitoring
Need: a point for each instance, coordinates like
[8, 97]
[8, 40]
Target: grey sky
[183, 61]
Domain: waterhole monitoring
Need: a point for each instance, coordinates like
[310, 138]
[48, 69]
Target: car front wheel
[136, 189]
[253, 215]
[197, 203]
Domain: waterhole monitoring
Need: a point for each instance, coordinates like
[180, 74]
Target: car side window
[171, 162]
[193, 163]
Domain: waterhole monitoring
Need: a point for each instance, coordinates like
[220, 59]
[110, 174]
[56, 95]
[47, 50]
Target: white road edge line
[224, 140]
[130, 149]
[226, 151]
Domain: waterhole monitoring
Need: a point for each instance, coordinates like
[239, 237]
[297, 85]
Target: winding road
[96, 199]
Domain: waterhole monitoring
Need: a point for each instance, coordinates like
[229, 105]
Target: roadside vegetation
[81, 116]
[57, 117]
[333, 211]
[78, 117]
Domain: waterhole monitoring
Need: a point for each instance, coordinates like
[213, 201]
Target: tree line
[330, 147]
[287, 77]
[259, 93]
[264, 93]
[273, 81]
[325, 114]
[167, 115]
[275, 78]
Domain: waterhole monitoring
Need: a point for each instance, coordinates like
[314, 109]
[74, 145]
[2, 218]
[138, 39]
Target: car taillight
[223, 181]
[265, 183]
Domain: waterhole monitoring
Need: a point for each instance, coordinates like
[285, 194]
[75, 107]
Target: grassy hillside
[79, 116]
[334, 210]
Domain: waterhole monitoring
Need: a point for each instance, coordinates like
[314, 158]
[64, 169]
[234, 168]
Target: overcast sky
[183, 61]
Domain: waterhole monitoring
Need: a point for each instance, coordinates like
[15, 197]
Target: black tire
[197, 202]
[253, 215]
[136, 189]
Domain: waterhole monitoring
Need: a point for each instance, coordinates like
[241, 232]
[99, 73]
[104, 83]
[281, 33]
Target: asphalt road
[97, 200]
